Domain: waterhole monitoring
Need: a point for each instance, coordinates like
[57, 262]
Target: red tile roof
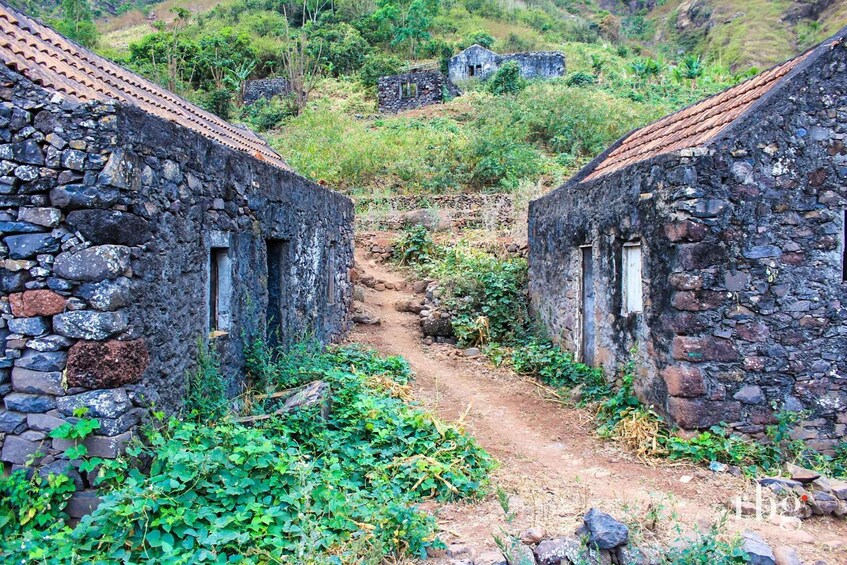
[53, 62]
[693, 126]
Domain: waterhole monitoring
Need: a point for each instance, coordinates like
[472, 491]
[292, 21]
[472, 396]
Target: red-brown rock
[684, 381]
[697, 349]
[699, 413]
[697, 301]
[31, 303]
[106, 364]
[685, 231]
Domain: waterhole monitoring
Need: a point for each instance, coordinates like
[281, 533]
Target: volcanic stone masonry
[266, 88]
[414, 90]
[744, 278]
[477, 62]
[126, 239]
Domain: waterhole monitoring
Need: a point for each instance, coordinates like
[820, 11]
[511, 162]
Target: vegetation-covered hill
[628, 63]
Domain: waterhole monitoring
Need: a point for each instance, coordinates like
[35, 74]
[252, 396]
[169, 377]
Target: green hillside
[626, 67]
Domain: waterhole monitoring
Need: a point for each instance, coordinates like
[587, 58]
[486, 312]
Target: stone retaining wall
[397, 93]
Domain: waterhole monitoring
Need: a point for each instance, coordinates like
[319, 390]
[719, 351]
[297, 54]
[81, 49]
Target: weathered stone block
[36, 303]
[107, 447]
[46, 217]
[23, 402]
[75, 196]
[29, 245]
[698, 349]
[43, 422]
[90, 325]
[762, 252]
[10, 421]
[686, 281]
[699, 255]
[19, 451]
[93, 264]
[42, 360]
[82, 503]
[696, 301]
[750, 394]
[685, 231]
[121, 424]
[683, 380]
[100, 403]
[99, 364]
[29, 326]
[110, 226]
[50, 343]
[107, 295]
[691, 413]
[37, 382]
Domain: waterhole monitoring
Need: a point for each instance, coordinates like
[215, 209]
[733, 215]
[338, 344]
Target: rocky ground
[553, 468]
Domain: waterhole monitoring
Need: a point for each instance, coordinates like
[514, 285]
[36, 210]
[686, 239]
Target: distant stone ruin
[266, 88]
[134, 225]
[411, 90]
[478, 63]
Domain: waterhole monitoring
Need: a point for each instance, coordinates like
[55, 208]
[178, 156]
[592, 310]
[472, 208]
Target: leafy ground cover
[297, 488]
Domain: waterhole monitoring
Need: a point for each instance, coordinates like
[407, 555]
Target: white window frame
[632, 278]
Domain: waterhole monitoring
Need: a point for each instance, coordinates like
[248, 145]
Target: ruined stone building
[265, 88]
[133, 226]
[407, 91]
[712, 243]
[477, 63]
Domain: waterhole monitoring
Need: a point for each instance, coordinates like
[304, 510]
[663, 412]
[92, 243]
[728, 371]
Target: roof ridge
[54, 62]
[695, 124]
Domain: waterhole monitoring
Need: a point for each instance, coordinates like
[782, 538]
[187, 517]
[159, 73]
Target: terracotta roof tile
[54, 62]
[693, 126]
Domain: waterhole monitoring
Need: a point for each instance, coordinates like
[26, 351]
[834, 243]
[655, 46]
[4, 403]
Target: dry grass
[135, 18]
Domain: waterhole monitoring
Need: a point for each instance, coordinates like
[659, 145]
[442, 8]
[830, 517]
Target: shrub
[219, 102]
[507, 79]
[415, 246]
[580, 79]
[481, 38]
[294, 488]
[378, 65]
[264, 114]
[554, 366]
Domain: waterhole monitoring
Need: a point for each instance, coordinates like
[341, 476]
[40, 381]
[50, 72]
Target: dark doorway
[587, 306]
[277, 250]
[470, 70]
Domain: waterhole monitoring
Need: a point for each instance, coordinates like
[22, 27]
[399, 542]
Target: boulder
[798, 473]
[100, 403]
[106, 364]
[90, 325]
[364, 317]
[519, 554]
[758, 551]
[555, 551]
[823, 503]
[604, 531]
[436, 325]
[93, 264]
[532, 536]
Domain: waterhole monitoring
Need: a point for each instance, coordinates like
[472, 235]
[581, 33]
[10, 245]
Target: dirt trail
[552, 463]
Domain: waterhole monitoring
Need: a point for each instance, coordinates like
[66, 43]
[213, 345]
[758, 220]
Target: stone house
[477, 63]
[712, 244]
[133, 226]
[407, 91]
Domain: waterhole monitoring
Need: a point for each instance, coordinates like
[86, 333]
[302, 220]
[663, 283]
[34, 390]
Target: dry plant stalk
[300, 67]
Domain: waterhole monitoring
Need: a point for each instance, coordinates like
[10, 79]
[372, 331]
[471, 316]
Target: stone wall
[108, 216]
[537, 64]
[265, 88]
[397, 93]
[744, 288]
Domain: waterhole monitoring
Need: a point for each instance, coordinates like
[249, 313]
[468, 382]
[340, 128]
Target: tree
[415, 28]
[301, 67]
[507, 80]
[77, 22]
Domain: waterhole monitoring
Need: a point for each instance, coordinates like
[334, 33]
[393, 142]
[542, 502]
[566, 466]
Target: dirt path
[552, 464]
